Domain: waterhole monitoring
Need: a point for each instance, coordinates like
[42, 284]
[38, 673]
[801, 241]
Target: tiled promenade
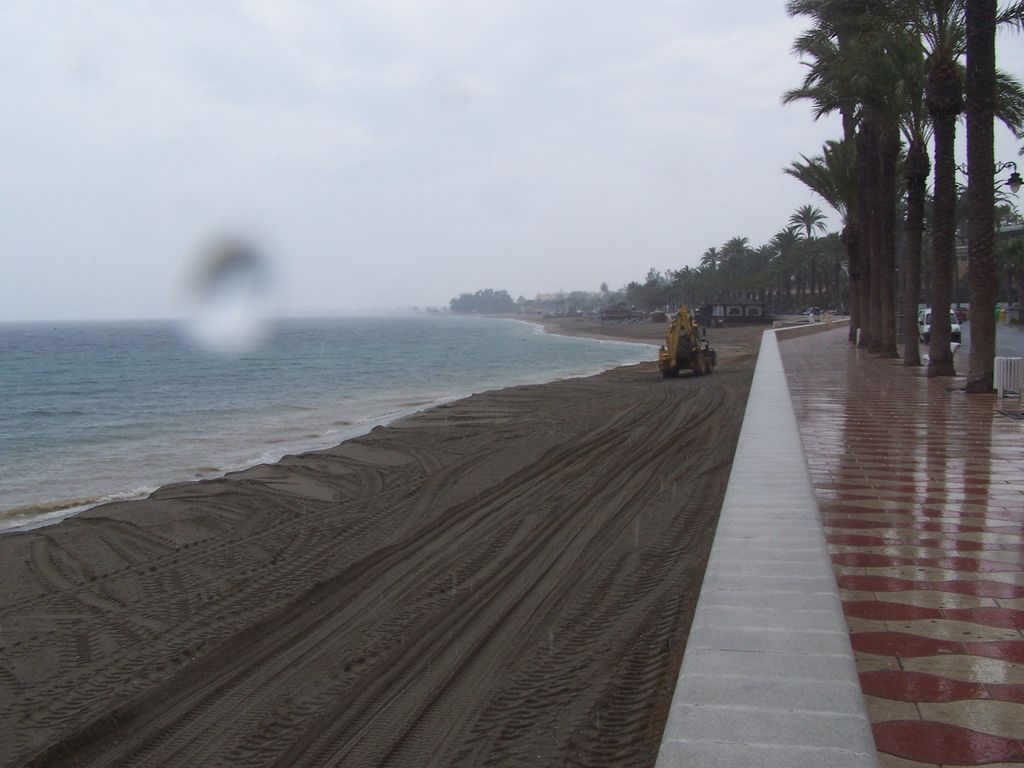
[921, 492]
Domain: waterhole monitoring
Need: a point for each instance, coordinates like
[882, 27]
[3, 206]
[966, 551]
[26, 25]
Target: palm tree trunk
[888, 155]
[851, 241]
[870, 169]
[851, 232]
[944, 103]
[917, 167]
[864, 147]
[981, 90]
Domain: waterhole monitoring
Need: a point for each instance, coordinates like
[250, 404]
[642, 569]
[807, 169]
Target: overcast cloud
[389, 153]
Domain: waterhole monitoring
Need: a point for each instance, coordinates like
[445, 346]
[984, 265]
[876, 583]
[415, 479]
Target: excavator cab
[686, 347]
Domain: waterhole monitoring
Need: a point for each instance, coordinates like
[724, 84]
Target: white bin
[1008, 375]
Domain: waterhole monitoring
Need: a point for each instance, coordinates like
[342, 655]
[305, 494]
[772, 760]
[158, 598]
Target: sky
[389, 153]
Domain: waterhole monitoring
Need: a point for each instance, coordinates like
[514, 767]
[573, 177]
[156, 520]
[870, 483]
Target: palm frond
[1009, 107]
[831, 175]
[1012, 15]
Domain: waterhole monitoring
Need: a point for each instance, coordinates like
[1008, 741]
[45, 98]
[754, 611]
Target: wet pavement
[921, 493]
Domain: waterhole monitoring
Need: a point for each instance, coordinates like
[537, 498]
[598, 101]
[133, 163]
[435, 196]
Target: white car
[924, 326]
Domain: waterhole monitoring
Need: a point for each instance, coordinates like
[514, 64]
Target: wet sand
[505, 580]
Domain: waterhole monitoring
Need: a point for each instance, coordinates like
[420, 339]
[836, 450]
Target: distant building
[733, 313]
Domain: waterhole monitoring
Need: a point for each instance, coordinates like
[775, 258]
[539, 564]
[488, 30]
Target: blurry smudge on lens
[227, 293]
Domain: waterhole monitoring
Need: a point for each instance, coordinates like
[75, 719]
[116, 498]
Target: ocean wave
[29, 516]
[40, 509]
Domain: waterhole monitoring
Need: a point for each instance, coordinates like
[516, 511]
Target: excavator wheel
[670, 373]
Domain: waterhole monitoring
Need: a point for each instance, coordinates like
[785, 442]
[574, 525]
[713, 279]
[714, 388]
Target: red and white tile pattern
[921, 491]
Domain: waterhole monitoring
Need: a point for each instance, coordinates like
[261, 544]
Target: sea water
[101, 411]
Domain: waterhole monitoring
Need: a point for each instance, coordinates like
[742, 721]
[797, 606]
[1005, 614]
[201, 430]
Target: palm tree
[916, 169]
[880, 79]
[981, 18]
[825, 48]
[941, 26]
[787, 261]
[833, 176]
[809, 220]
[847, 51]
[710, 258]
[731, 260]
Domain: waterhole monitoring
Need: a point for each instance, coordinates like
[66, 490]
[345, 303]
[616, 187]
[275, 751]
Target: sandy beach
[504, 580]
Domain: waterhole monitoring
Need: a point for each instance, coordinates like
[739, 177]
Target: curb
[768, 676]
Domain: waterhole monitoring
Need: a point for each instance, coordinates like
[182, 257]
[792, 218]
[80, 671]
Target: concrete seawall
[768, 678]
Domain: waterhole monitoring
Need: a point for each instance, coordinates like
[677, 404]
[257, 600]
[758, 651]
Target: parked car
[924, 326]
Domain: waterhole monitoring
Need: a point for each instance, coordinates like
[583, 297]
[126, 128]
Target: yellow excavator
[686, 347]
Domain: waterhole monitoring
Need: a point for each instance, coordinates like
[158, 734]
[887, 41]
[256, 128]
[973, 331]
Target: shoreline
[591, 328]
[39, 514]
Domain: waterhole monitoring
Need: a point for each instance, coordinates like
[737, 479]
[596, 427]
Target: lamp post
[1014, 182]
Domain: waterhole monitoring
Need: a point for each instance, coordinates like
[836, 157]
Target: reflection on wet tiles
[893, 539]
[853, 596]
[905, 644]
[968, 668]
[880, 709]
[900, 685]
[1005, 557]
[1008, 577]
[852, 556]
[915, 572]
[891, 611]
[1017, 605]
[888, 521]
[928, 599]
[970, 586]
[1011, 539]
[961, 631]
[872, 662]
[995, 717]
[922, 497]
[942, 742]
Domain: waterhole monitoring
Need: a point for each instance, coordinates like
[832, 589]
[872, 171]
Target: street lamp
[1014, 182]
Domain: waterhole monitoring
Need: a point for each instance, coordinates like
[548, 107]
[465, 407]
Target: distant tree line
[798, 267]
[485, 302]
[801, 266]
